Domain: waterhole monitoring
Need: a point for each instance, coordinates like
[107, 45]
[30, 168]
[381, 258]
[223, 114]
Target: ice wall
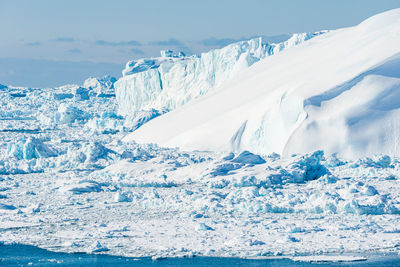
[172, 80]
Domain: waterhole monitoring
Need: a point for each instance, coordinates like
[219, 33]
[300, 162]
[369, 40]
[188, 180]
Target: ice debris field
[251, 150]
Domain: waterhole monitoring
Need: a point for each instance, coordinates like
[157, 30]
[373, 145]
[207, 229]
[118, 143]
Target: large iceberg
[338, 92]
[172, 80]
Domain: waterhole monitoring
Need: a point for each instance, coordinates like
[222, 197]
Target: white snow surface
[337, 92]
[68, 181]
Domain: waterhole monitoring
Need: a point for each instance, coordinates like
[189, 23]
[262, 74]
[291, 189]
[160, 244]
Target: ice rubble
[170, 81]
[337, 92]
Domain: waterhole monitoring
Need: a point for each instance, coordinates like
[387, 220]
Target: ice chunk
[224, 169]
[229, 156]
[248, 158]
[204, 227]
[62, 96]
[81, 93]
[7, 207]
[98, 247]
[308, 167]
[103, 87]
[329, 258]
[370, 191]
[32, 148]
[95, 151]
[122, 197]
[68, 113]
[83, 187]
[167, 53]
[109, 122]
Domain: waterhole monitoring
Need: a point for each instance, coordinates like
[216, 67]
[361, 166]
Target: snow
[336, 92]
[264, 181]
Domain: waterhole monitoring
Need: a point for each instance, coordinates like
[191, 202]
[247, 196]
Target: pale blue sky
[118, 30]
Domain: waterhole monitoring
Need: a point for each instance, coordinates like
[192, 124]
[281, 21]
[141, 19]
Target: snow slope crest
[310, 97]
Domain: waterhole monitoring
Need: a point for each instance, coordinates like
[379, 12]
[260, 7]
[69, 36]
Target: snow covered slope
[338, 92]
[172, 80]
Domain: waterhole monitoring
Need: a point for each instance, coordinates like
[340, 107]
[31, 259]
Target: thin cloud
[226, 41]
[33, 44]
[64, 40]
[75, 51]
[169, 42]
[123, 43]
[218, 42]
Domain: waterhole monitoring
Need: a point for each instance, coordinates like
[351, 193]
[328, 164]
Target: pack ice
[72, 179]
[338, 92]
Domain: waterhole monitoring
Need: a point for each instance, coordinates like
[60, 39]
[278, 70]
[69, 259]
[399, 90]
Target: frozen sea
[23, 255]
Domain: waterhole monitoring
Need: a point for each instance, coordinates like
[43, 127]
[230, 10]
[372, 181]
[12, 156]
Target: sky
[112, 32]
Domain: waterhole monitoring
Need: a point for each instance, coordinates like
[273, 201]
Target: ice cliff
[169, 81]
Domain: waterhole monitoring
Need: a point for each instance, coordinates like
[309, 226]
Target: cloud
[64, 40]
[33, 44]
[226, 41]
[169, 42]
[123, 43]
[137, 51]
[74, 51]
[275, 38]
[218, 42]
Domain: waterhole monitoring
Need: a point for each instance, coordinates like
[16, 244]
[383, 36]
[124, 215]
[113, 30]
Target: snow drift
[338, 92]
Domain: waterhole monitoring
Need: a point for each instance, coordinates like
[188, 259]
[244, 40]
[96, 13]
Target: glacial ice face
[172, 80]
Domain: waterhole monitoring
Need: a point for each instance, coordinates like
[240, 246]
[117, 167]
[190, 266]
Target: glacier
[286, 154]
[336, 92]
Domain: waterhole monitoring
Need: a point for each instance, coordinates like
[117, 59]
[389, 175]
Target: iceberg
[338, 92]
